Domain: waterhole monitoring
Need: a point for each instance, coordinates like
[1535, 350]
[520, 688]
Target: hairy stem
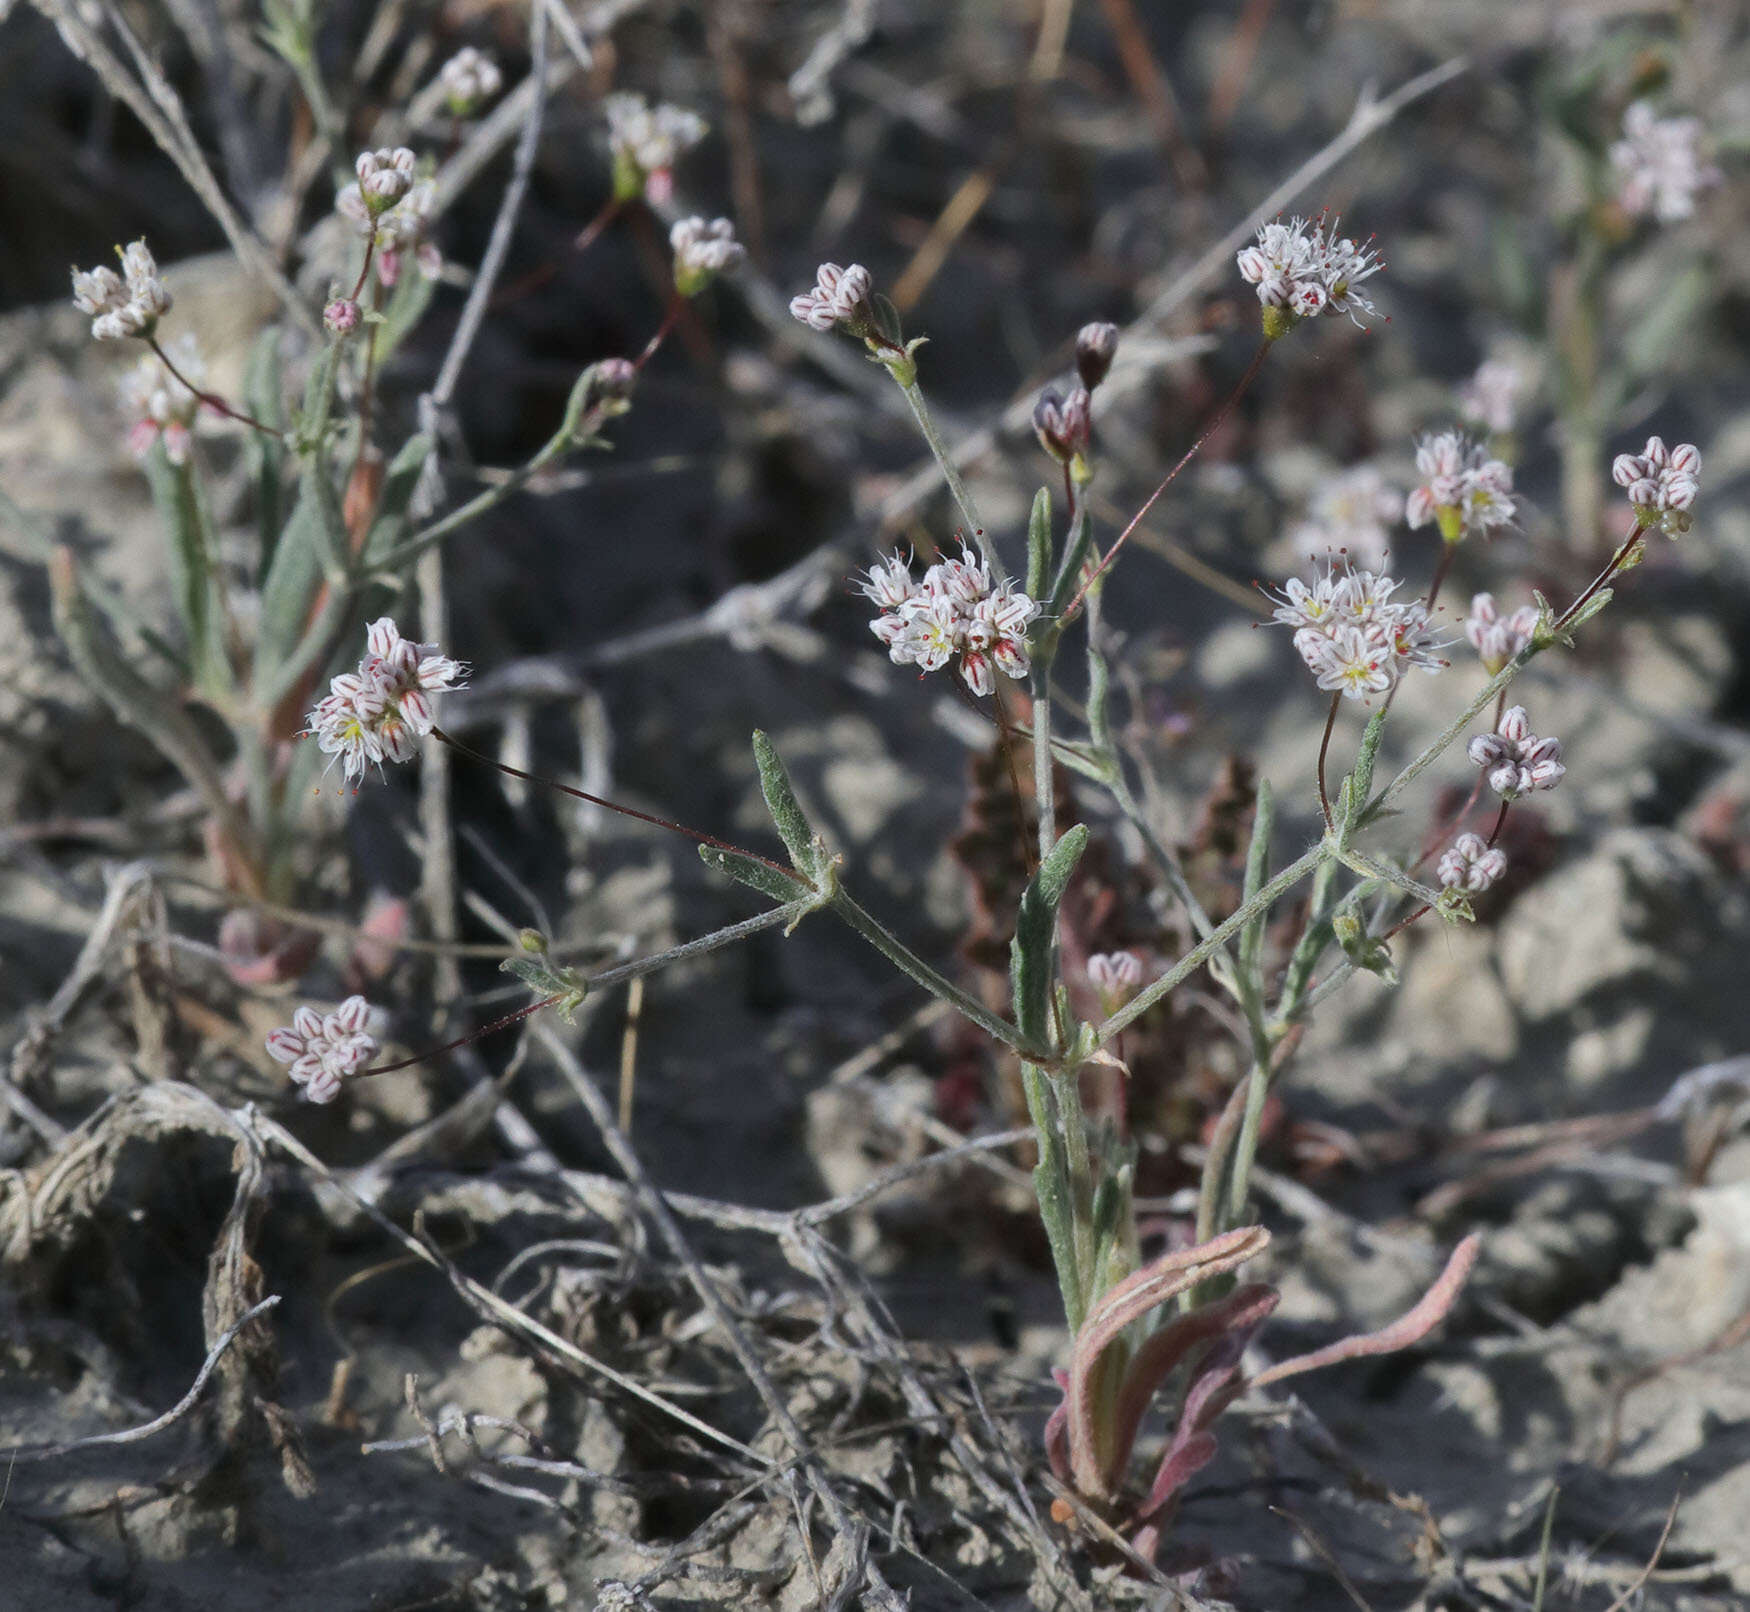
[211, 399]
[1216, 939]
[945, 461]
[914, 967]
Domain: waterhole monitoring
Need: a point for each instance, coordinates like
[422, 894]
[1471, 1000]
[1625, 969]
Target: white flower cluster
[469, 78]
[702, 251]
[1307, 269]
[395, 227]
[1352, 511]
[1471, 864]
[1661, 483]
[956, 610]
[840, 297]
[127, 304]
[384, 176]
[1516, 760]
[375, 714]
[646, 142]
[1350, 634]
[1463, 489]
[324, 1048]
[161, 406]
[1490, 398]
[1497, 638]
[1658, 165]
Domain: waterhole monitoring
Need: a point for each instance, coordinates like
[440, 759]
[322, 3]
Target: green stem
[478, 505]
[1246, 1146]
[1044, 794]
[1453, 731]
[1370, 868]
[1051, 1188]
[1313, 940]
[1066, 1085]
[914, 967]
[1220, 965]
[927, 426]
[1200, 954]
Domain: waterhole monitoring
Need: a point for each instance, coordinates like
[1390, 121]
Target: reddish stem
[1324, 748]
[1404, 923]
[1447, 550]
[676, 306]
[1628, 546]
[612, 806]
[1233, 397]
[365, 267]
[461, 1041]
[218, 404]
[1500, 823]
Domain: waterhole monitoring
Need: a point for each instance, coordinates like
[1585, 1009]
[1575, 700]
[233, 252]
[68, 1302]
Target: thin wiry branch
[134, 1435]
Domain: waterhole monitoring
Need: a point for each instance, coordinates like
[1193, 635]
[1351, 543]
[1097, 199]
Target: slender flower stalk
[1244, 384]
[547, 782]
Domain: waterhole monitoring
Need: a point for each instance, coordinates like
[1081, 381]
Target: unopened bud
[1063, 424]
[1096, 346]
[341, 316]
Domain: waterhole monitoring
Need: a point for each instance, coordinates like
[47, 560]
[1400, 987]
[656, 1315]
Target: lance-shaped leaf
[748, 870]
[1039, 543]
[793, 826]
[1214, 1384]
[1091, 1445]
[1030, 953]
[162, 718]
[266, 452]
[313, 543]
[1410, 1328]
[1360, 780]
[191, 551]
[1162, 1352]
[1257, 871]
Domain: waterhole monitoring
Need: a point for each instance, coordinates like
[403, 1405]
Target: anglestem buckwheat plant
[1359, 633]
[338, 519]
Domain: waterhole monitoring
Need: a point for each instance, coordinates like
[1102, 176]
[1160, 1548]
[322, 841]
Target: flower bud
[1063, 424]
[1096, 346]
[341, 316]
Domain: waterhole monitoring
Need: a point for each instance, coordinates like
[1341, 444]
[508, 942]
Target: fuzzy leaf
[793, 826]
[1159, 1356]
[758, 875]
[1410, 1328]
[266, 453]
[1257, 872]
[407, 304]
[1030, 953]
[1360, 779]
[1130, 1300]
[1039, 543]
[189, 548]
[314, 532]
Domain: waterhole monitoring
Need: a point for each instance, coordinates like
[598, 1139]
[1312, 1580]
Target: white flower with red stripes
[324, 1048]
